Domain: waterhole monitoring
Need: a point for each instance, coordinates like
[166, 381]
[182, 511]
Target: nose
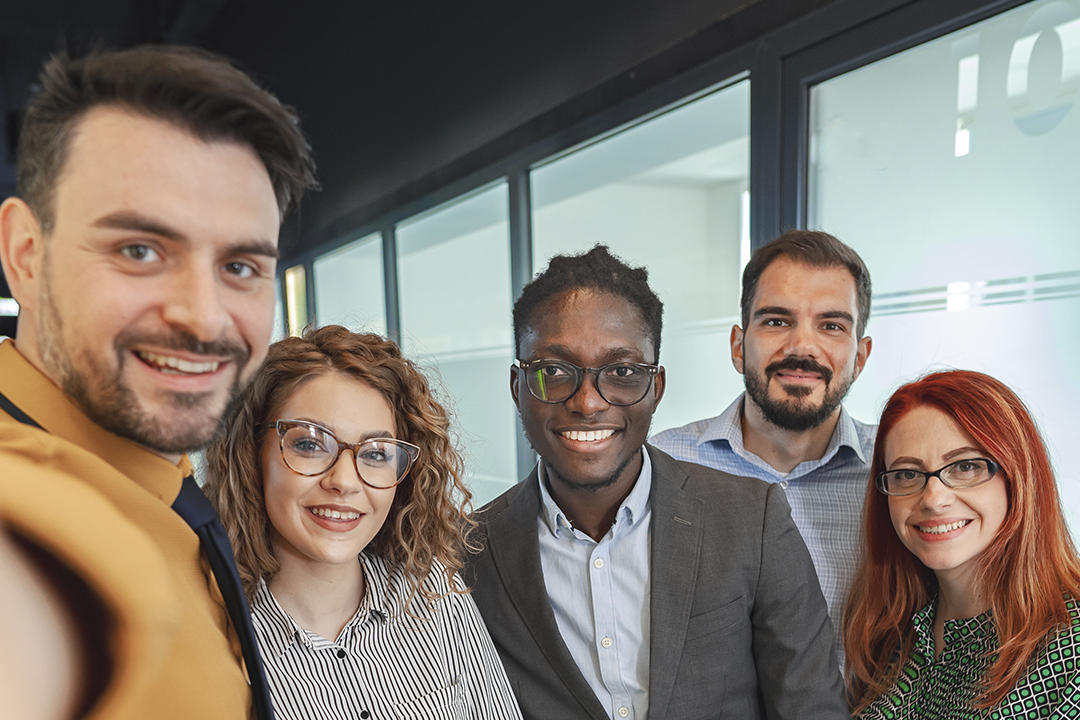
[587, 400]
[343, 478]
[194, 302]
[936, 494]
[802, 341]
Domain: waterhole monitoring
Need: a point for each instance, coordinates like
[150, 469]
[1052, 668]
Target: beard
[794, 412]
[553, 474]
[189, 420]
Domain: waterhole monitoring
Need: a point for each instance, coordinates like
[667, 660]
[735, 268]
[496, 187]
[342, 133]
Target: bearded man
[805, 305]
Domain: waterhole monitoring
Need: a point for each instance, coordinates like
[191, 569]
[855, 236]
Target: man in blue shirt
[805, 305]
[617, 582]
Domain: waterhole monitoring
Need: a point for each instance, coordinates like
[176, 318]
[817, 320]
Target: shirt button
[624, 711]
[783, 484]
[341, 653]
[598, 563]
[365, 714]
[606, 642]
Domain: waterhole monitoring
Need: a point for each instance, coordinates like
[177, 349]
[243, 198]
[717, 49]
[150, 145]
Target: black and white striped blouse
[386, 665]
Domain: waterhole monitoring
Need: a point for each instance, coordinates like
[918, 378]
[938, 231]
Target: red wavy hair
[1025, 572]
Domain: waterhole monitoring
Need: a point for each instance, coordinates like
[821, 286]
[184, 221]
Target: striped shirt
[826, 495]
[386, 665]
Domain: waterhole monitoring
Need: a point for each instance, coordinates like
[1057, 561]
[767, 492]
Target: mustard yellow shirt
[122, 500]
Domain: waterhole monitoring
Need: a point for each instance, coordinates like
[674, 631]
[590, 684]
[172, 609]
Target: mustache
[185, 342]
[797, 363]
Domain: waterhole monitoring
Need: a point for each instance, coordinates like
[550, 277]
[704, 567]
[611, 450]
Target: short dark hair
[596, 269]
[814, 248]
[198, 91]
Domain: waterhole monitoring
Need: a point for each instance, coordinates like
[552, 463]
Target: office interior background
[460, 145]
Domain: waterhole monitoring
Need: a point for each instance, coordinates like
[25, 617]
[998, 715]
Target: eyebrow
[787, 312]
[136, 222]
[364, 437]
[773, 310]
[560, 352]
[947, 457]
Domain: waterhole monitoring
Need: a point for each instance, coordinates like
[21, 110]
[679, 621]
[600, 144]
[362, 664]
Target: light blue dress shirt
[600, 594]
[826, 495]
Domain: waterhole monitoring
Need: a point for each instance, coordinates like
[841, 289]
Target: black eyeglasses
[309, 449]
[960, 474]
[556, 381]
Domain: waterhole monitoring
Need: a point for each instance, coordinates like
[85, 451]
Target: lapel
[515, 550]
[677, 527]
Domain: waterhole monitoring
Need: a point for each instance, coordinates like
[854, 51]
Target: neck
[784, 449]
[958, 598]
[321, 598]
[593, 511]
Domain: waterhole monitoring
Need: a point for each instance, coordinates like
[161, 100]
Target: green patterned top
[944, 688]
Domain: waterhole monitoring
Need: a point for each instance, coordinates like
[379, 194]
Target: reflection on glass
[296, 299]
[349, 286]
[970, 239]
[670, 194]
[454, 264]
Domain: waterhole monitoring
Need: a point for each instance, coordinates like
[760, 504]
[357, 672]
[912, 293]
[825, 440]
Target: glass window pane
[296, 299]
[952, 169]
[454, 265]
[670, 194]
[349, 286]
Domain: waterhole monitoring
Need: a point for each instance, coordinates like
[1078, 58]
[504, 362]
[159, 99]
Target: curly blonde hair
[429, 518]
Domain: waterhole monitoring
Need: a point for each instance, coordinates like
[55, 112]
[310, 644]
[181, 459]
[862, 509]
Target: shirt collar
[633, 506]
[279, 631]
[48, 405]
[727, 427]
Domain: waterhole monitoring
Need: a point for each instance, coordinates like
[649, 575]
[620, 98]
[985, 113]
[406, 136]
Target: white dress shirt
[600, 593]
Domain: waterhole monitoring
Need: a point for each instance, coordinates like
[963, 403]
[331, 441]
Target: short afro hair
[596, 269]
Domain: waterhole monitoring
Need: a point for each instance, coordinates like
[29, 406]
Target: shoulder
[688, 433]
[702, 481]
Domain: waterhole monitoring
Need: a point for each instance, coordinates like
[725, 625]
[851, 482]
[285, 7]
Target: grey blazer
[739, 625]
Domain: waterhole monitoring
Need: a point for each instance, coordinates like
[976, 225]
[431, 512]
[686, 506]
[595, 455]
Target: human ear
[21, 250]
[737, 348]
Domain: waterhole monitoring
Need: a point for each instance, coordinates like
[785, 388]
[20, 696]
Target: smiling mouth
[942, 529]
[587, 435]
[170, 365]
[334, 514]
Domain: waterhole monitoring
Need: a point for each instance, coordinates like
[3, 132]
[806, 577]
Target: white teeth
[335, 514]
[942, 529]
[588, 435]
[175, 366]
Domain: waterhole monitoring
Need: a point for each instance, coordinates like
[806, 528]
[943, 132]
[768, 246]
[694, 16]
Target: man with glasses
[805, 305]
[617, 582]
[142, 250]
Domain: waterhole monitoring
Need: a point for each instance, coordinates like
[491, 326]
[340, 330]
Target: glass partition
[454, 265]
[671, 194]
[349, 286]
[952, 168]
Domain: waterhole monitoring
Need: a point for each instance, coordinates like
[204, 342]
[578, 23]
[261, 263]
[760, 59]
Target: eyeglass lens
[960, 474]
[311, 450]
[618, 383]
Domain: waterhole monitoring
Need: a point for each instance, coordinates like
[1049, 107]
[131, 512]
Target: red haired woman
[965, 605]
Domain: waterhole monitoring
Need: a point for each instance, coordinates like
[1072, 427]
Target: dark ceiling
[400, 97]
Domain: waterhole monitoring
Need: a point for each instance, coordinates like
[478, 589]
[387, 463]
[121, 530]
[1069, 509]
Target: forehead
[119, 159]
[588, 327]
[927, 433]
[337, 400]
[789, 283]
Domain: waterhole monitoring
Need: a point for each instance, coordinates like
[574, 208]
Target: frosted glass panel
[349, 286]
[952, 168]
[455, 318]
[670, 194]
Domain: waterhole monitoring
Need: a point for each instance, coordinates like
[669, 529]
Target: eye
[552, 371]
[775, 322]
[833, 327]
[307, 445]
[140, 253]
[239, 269]
[375, 455]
